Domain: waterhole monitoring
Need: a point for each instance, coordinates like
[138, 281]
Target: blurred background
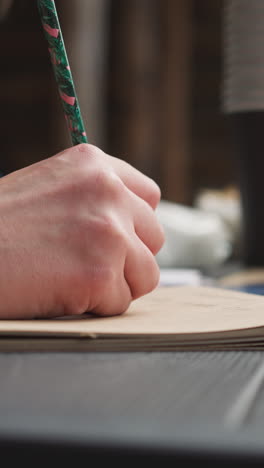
[148, 75]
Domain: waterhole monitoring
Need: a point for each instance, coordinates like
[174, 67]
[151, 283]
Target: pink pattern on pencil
[68, 99]
[51, 31]
[69, 123]
[53, 57]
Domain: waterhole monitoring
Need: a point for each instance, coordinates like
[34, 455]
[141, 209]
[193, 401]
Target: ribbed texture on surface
[243, 45]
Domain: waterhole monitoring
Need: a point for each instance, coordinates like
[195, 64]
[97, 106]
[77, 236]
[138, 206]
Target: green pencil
[62, 71]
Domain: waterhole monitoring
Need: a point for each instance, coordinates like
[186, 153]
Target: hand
[78, 232]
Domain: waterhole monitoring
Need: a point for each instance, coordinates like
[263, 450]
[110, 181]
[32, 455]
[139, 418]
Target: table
[182, 404]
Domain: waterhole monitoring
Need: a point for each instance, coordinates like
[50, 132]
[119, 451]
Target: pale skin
[78, 233]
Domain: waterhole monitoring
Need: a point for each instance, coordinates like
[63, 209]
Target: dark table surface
[194, 406]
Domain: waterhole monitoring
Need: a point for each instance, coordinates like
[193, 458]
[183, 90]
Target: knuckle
[108, 234]
[155, 277]
[89, 152]
[79, 160]
[149, 278]
[154, 194]
[152, 275]
[84, 154]
[105, 225]
[109, 184]
[160, 239]
[85, 148]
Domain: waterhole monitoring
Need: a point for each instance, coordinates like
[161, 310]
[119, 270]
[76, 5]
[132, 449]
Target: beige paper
[167, 318]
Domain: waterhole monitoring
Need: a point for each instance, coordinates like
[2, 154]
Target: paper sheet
[181, 313]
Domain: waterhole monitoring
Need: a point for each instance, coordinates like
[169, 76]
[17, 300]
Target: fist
[78, 233]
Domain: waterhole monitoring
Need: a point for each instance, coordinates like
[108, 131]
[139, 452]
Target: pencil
[63, 75]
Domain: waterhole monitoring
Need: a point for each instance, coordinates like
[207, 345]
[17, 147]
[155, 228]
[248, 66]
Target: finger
[143, 186]
[141, 270]
[114, 299]
[147, 226]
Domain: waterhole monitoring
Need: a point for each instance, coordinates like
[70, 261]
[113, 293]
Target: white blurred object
[226, 203]
[194, 238]
[180, 277]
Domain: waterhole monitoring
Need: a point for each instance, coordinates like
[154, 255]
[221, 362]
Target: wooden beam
[134, 105]
[176, 100]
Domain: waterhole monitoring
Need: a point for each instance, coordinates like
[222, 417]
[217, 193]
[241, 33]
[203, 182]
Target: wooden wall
[212, 152]
[148, 76]
[165, 111]
[24, 89]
